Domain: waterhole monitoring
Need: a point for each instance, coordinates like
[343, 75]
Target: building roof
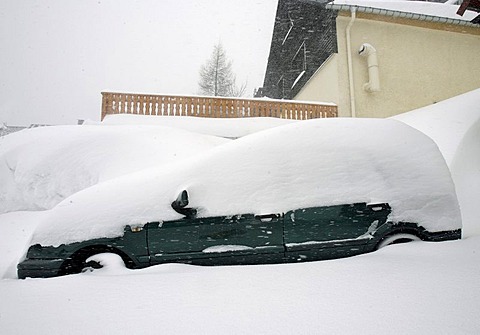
[471, 5]
[417, 10]
[304, 36]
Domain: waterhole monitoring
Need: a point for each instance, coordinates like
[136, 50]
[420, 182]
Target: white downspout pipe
[349, 61]
[368, 51]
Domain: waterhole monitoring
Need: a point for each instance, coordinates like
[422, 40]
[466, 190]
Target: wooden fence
[219, 107]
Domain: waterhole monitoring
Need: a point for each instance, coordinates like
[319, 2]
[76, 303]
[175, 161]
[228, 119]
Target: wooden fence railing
[219, 107]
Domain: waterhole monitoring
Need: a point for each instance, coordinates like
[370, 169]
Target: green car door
[331, 232]
[185, 239]
[215, 240]
[263, 237]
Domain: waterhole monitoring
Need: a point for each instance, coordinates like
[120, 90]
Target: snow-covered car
[310, 190]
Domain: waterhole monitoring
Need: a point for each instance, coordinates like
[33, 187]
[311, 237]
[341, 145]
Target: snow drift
[42, 166]
[229, 128]
[304, 164]
[454, 124]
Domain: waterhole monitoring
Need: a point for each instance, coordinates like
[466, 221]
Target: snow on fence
[219, 107]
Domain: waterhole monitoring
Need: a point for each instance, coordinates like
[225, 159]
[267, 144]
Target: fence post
[105, 97]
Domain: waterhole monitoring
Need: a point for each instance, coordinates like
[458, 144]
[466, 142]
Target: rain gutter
[349, 62]
[396, 13]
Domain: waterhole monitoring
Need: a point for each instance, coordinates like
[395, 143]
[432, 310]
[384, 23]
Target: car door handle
[267, 217]
[136, 229]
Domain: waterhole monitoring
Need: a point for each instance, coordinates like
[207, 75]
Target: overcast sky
[58, 55]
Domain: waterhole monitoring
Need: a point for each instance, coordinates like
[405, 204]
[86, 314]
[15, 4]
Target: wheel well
[403, 230]
[75, 263]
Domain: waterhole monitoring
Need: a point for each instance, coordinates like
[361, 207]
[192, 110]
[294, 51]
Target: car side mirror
[182, 199]
[180, 206]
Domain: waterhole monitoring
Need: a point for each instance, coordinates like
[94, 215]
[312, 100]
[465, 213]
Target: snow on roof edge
[376, 9]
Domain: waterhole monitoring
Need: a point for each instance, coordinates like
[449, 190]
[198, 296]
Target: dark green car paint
[307, 234]
[195, 240]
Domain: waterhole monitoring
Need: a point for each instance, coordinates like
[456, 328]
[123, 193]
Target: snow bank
[308, 163]
[417, 7]
[42, 166]
[454, 124]
[432, 285]
[465, 169]
[17, 229]
[446, 122]
[230, 128]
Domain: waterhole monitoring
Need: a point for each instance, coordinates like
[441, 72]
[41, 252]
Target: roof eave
[395, 13]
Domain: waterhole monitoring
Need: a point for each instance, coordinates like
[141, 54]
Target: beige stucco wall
[323, 85]
[419, 64]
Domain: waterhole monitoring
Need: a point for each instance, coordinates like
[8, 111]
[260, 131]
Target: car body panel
[305, 234]
[49, 261]
[214, 237]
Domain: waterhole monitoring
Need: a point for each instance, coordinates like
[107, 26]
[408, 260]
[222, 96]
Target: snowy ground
[422, 288]
[419, 288]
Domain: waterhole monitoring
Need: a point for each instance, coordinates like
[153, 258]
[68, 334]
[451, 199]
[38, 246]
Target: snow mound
[465, 169]
[454, 124]
[223, 127]
[111, 264]
[42, 166]
[304, 164]
[454, 116]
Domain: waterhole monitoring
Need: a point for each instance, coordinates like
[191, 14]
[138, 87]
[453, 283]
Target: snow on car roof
[305, 164]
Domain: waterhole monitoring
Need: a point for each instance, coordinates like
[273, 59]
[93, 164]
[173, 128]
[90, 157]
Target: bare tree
[216, 76]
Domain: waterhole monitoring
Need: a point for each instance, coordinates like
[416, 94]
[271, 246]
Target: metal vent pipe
[369, 52]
